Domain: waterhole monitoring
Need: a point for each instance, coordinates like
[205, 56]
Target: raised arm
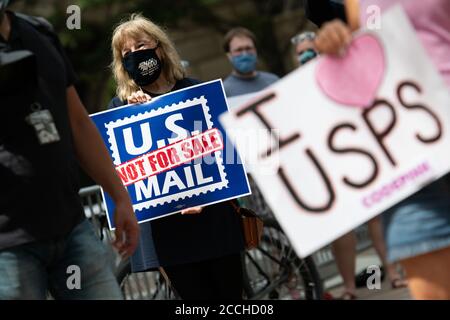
[352, 13]
[334, 36]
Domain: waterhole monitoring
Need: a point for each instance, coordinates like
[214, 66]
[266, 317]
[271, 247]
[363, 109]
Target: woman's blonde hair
[135, 27]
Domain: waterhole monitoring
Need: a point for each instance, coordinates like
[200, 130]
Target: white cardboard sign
[353, 136]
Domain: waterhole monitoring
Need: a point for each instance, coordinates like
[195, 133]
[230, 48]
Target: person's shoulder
[41, 34]
[116, 102]
[37, 22]
[187, 82]
[229, 78]
[231, 81]
[269, 76]
[40, 24]
[228, 86]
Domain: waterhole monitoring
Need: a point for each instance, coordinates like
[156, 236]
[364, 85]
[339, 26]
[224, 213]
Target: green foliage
[89, 48]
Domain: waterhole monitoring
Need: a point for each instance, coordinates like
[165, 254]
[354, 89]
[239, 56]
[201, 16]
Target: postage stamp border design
[110, 126]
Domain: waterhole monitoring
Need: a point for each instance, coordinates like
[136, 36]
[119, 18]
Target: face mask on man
[306, 56]
[3, 5]
[244, 63]
[143, 66]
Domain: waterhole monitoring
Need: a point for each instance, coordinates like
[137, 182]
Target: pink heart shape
[354, 78]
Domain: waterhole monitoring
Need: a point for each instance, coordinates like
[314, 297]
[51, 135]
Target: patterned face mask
[143, 66]
[306, 56]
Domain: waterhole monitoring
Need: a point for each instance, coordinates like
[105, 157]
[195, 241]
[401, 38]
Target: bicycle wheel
[143, 285]
[274, 271]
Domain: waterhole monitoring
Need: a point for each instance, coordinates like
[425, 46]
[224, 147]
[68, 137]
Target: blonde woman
[200, 249]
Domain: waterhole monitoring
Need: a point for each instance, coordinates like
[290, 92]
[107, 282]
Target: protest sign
[354, 134]
[172, 153]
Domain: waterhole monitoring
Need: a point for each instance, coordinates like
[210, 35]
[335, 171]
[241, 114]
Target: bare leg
[344, 251]
[376, 234]
[428, 275]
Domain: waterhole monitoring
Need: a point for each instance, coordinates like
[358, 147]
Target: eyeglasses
[302, 37]
[243, 49]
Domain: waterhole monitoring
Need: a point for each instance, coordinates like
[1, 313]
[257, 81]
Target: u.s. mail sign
[172, 153]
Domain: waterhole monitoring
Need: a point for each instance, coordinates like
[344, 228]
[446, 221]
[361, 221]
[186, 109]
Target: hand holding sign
[193, 210]
[353, 79]
[333, 38]
[138, 97]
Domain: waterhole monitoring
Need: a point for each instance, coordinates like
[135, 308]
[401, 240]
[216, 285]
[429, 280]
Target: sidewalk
[364, 259]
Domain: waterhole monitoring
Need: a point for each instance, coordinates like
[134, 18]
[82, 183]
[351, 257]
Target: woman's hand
[138, 97]
[193, 210]
[333, 38]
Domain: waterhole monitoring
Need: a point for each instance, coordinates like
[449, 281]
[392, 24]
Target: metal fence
[137, 286]
[148, 285]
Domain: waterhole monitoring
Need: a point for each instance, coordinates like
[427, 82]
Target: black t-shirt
[180, 239]
[38, 183]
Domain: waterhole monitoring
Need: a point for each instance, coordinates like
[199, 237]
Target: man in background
[240, 47]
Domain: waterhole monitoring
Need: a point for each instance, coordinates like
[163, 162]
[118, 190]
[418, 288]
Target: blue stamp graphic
[170, 152]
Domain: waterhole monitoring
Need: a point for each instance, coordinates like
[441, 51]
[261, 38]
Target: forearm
[90, 150]
[352, 13]
[95, 160]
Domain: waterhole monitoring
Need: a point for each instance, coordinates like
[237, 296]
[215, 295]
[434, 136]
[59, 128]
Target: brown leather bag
[252, 226]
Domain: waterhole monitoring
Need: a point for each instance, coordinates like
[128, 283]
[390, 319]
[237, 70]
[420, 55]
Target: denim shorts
[418, 224]
[74, 267]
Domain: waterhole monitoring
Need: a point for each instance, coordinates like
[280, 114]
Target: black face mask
[143, 66]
